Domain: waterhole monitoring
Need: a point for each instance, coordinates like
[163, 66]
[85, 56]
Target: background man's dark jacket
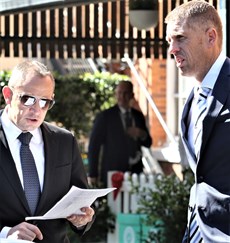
[109, 131]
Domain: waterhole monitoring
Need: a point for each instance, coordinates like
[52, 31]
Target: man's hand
[25, 231]
[93, 181]
[136, 133]
[82, 220]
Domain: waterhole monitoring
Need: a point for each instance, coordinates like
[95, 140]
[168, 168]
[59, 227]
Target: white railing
[126, 200]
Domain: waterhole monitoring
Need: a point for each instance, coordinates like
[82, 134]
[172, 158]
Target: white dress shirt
[36, 146]
[122, 115]
[209, 82]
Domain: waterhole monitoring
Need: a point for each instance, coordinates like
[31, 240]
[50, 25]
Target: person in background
[195, 36]
[116, 138]
[55, 162]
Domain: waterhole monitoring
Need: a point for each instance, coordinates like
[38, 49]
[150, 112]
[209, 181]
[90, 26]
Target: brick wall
[153, 73]
[159, 96]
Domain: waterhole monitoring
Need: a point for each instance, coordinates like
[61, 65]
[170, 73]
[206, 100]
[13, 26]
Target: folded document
[72, 203]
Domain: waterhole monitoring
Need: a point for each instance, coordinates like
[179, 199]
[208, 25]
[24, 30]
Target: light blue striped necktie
[194, 231]
[199, 113]
[198, 116]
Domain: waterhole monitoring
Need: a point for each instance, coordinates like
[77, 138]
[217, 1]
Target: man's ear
[212, 36]
[7, 94]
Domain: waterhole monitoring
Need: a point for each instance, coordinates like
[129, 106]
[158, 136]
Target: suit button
[200, 179]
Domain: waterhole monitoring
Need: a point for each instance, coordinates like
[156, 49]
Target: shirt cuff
[4, 232]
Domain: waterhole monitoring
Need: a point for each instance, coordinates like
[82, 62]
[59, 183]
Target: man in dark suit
[28, 96]
[194, 34]
[119, 133]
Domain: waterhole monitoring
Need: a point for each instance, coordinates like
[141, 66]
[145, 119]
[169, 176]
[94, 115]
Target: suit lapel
[3, 137]
[214, 109]
[7, 165]
[184, 131]
[216, 102]
[50, 151]
[185, 114]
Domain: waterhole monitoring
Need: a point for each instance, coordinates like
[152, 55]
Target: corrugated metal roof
[71, 66]
[13, 6]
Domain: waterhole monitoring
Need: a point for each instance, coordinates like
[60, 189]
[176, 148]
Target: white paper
[72, 202]
[14, 241]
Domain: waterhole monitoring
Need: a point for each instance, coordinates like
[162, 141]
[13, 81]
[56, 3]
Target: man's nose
[36, 107]
[122, 95]
[173, 47]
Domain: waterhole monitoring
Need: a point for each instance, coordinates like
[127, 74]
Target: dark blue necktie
[128, 119]
[30, 175]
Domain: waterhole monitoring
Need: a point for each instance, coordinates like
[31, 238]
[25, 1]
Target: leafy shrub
[4, 78]
[79, 98]
[166, 207]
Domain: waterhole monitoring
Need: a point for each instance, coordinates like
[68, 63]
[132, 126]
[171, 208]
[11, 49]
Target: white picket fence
[127, 200]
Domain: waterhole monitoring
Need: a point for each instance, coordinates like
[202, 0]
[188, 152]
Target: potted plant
[143, 14]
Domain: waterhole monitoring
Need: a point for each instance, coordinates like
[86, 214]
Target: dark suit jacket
[108, 131]
[63, 168]
[211, 192]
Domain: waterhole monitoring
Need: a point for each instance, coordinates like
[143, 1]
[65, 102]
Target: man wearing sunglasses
[28, 96]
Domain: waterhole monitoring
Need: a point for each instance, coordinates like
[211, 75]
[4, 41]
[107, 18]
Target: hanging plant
[143, 4]
[143, 14]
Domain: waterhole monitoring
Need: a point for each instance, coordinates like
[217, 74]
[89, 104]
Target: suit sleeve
[141, 123]
[97, 139]
[79, 179]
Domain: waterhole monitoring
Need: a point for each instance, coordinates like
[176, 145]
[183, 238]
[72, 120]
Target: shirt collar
[12, 131]
[211, 77]
[123, 111]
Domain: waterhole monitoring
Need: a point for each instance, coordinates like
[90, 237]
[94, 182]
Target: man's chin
[183, 72]
[30, 126]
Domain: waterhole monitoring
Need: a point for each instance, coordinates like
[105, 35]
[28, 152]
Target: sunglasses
[29, 100]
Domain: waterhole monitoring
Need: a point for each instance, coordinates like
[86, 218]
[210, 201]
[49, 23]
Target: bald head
[124, 93]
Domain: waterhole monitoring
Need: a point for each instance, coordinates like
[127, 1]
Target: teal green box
[132, 228]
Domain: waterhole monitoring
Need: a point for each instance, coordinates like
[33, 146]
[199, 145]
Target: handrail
[150, 99]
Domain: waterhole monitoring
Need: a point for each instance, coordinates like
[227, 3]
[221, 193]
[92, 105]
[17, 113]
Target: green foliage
[80, 98]
[166, 207]
[4, 78]
[143, 4]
